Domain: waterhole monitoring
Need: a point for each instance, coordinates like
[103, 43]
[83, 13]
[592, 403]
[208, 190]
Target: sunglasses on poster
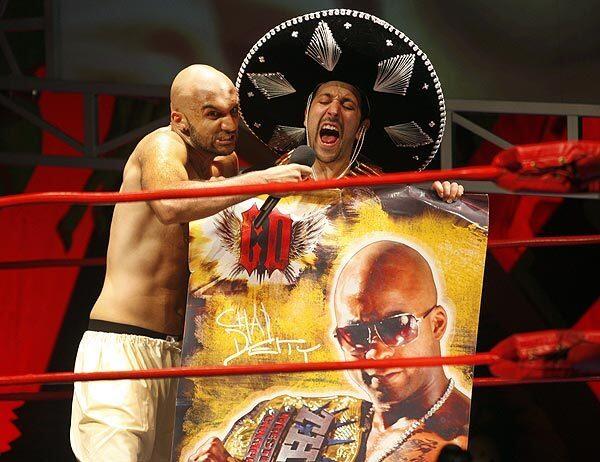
[394, 331]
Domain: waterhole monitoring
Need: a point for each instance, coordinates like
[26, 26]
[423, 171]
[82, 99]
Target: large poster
[332, 275]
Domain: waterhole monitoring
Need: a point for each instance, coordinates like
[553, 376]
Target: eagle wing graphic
[305, 236]
[228, 227]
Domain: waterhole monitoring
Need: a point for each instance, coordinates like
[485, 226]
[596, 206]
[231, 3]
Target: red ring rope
[553, 241]
[51, 395]
[505, 382]
[477, 359]
[106, 198]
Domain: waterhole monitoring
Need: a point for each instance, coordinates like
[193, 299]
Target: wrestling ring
[553, 356]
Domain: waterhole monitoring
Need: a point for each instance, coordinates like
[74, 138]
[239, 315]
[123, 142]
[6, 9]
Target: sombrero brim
[288, 62]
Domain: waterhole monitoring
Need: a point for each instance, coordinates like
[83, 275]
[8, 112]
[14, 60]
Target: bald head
[385, 281]
[204, 110]
[382, 279]
[198, 81]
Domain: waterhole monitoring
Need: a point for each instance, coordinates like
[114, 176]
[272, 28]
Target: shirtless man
[386, 306]
[138, 317]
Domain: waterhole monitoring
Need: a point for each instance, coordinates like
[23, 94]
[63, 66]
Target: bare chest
[216, 170]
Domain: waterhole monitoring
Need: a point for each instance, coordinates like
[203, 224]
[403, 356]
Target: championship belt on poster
[311, 429]
[332, 275]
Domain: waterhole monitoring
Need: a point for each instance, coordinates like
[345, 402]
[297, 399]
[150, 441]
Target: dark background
[539, 50]
[535, 51]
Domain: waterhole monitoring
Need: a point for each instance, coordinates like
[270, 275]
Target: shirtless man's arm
[164, 165]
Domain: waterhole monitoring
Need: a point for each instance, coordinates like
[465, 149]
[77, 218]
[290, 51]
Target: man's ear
[439, 322]
[363, 128]
[179, 122]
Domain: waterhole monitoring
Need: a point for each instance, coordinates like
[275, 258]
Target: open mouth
[226, 140]
[329, 134]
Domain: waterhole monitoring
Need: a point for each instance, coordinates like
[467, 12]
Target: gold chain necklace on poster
[415, 425]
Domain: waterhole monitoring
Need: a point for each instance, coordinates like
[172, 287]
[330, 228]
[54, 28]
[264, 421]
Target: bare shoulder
[161, 144]
[227, 166]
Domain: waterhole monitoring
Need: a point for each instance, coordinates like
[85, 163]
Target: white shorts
[124, 420]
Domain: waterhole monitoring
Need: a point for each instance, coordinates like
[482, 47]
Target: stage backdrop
[269, 294]
[502, 50]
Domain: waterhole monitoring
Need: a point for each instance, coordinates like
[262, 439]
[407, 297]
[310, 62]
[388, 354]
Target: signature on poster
[251, 335]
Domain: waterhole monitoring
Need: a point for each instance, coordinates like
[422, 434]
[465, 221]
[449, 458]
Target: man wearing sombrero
[351, 86]
[356, 90]
[327, 79]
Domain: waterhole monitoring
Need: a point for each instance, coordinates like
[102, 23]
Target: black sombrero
[285, 66]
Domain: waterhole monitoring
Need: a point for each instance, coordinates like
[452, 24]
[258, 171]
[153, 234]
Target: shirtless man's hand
[281, 174]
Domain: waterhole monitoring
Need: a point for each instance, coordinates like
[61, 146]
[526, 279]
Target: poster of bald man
[332, 275]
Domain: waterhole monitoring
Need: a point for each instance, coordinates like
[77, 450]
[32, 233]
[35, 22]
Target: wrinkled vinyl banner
[396, 268]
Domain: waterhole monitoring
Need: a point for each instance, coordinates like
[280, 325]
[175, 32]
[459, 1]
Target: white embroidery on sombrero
[355, 17]
[323, 48]
[393, 74]
[285, 138]
[272, 84]
[408, 135]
